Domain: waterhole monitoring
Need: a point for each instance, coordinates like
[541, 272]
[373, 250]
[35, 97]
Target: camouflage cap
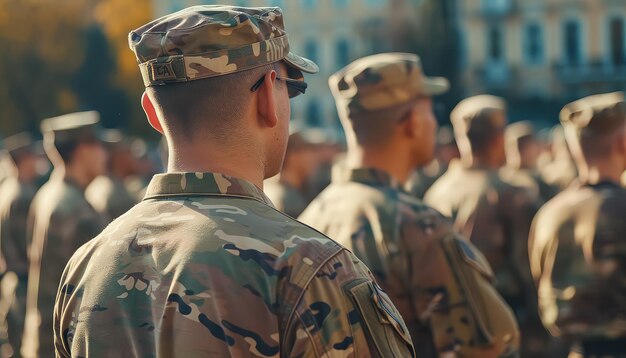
[595, 114]
[81, 126]
[212, 40]
[471, 115]
[383, 81]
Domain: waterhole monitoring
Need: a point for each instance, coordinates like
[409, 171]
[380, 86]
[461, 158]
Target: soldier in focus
[16, 195]
[107, 193]
[300, 163]
[522, 152]
[60, 219]
[228, 274]
[441, 284]
[578, 253]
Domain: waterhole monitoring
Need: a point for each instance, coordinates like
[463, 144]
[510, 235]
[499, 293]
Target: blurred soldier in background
[493, 214]
[301, 162]
[423, 178]
[107, 193]
[440, 282]
[227, 274]
[578, 252]
[60, 219]
[16, 194]
[522, 152]
[558, 169]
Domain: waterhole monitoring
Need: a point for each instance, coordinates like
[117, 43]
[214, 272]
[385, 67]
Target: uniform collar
[373, 177]
[203, 184]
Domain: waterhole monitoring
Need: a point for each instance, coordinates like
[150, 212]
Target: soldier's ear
[148, 108]
[266, 101]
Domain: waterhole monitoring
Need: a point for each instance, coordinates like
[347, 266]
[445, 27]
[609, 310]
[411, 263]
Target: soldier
[577, 247]
[204, 265]
[107, 193]
[16, 194]
[493, 214]
[287, 193]
[60, 219]
[558, 170]
[440, 282]
[522, 151]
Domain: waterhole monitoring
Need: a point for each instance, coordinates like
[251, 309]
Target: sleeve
[344, 313]
[61, 329]
[452, 290]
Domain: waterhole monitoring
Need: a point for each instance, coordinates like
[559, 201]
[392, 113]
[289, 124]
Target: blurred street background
[68, 55]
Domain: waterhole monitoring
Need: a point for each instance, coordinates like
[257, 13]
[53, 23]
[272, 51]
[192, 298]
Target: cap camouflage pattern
[212, 40]
[470, 115]
[598, 113]
[72, 126]
[382, 81]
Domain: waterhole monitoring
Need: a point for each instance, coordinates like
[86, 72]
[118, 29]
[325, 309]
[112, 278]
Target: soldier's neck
[594, 172]
[200, 159]
[398, 164]
[479, 161]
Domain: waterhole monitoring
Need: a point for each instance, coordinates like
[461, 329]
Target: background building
[542, 53]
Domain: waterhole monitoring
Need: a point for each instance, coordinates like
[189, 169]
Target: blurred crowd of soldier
[526, 259]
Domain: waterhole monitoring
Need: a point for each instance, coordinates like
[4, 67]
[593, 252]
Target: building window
[341, 4]
[308, 4]
[343, 52]
[495, 45]
[572, 43]
[313, 114]
[533, 44]
[617, 42]
[311, 51]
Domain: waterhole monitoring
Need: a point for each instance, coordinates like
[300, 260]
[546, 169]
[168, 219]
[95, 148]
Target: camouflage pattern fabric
[60, 221]
[205, 266]
[285, 198]
[578, 258]
[212, 40]
[15, 200]
[496, 217]
[109, 197]
[441, 284]
[382, 81]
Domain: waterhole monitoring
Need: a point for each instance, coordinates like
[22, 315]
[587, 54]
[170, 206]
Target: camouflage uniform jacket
[15, 199]
[495, 216]
[578, 258]
[60, 221]
[204, 266]
[440, 283]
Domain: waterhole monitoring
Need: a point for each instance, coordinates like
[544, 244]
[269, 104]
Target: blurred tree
[117, 19]
[67, 55]
[41, 47]
[94, 83]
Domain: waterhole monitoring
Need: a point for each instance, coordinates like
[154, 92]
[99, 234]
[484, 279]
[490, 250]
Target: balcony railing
[590, 73]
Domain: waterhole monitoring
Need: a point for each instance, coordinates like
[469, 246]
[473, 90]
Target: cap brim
[435, 86]
[301, 63]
